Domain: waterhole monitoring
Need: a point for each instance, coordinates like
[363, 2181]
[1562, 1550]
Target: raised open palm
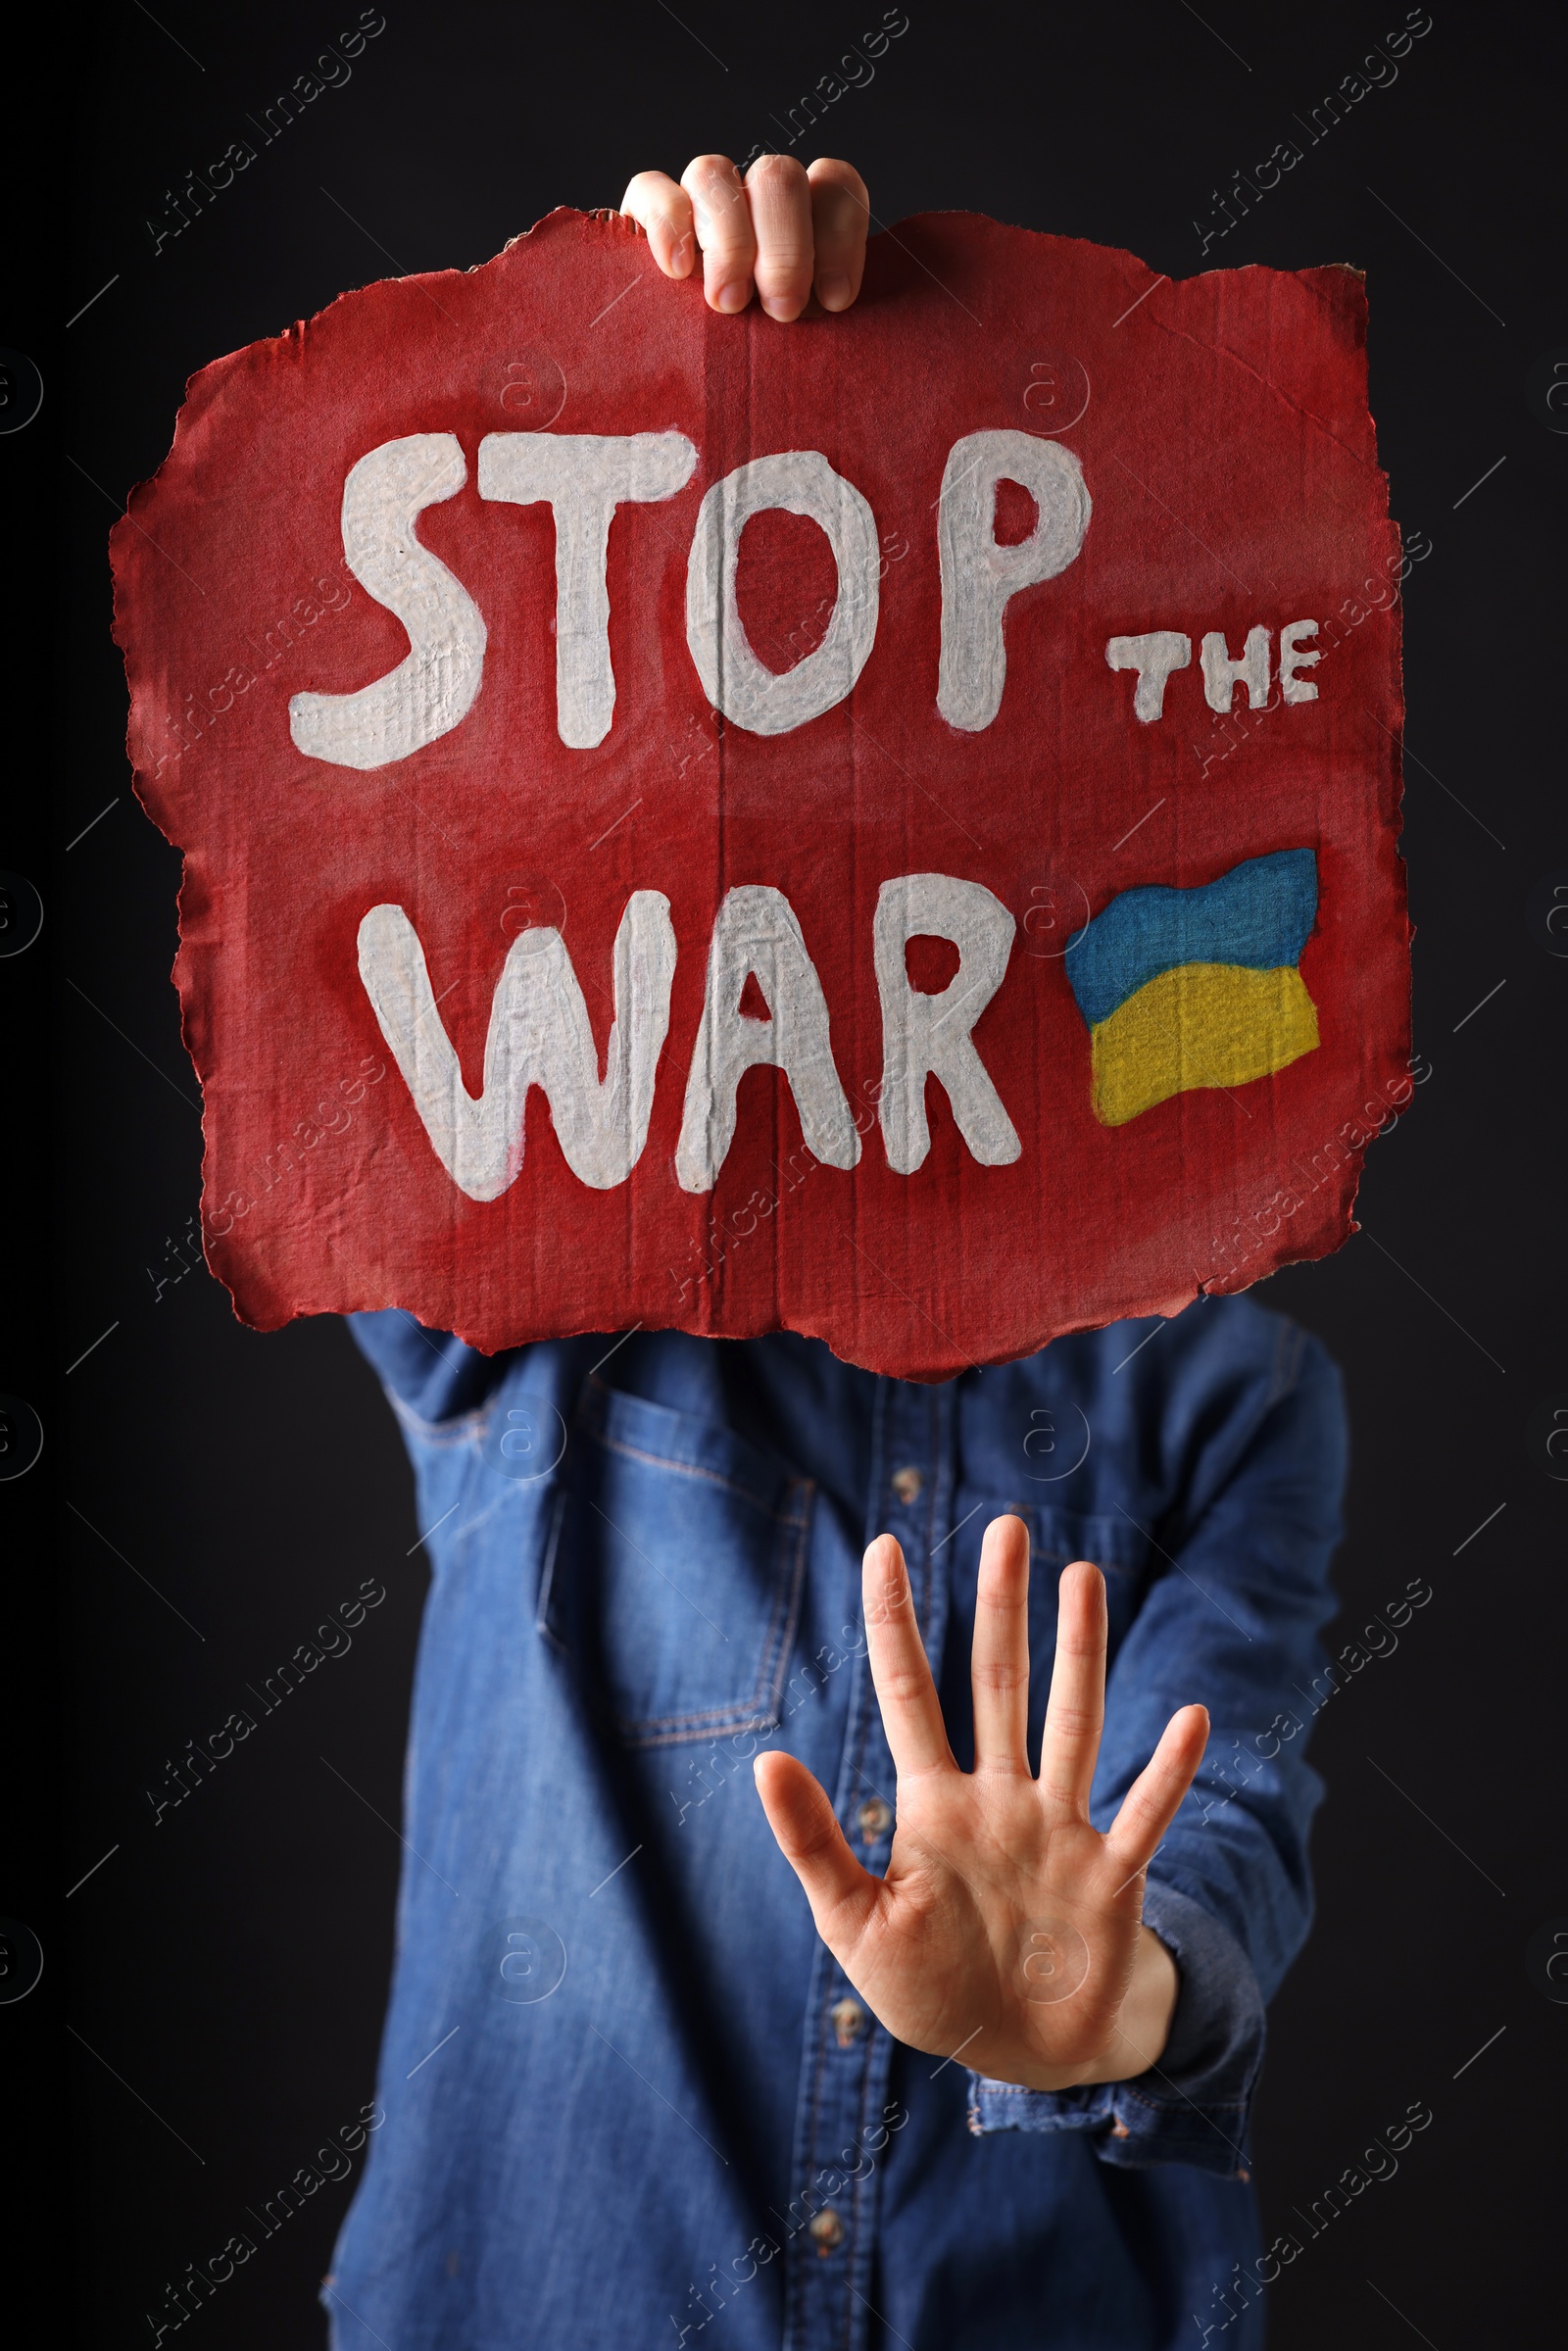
[1007, 1927]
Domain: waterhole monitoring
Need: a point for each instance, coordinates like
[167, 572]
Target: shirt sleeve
[1233, 1620]
[429, 1375]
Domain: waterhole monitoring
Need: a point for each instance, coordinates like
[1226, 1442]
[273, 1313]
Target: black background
[212, 1992]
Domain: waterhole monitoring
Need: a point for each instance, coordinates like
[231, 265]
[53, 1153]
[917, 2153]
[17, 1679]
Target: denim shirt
[631, 2099]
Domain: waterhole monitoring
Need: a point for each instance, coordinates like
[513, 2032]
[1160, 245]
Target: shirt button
[876, 1817]
[847, 2018]
[826, 2230]
[906, 1485]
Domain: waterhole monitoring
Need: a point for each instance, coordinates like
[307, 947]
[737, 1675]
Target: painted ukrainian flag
[1185, 988]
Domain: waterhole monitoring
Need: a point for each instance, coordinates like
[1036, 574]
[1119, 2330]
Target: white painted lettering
[539, 1035]
[1292, 687]
[1155, 657]
[583, 477]
[930, 1035]
[1220, 673]
[979, 577]
[763, 701]
[433, 689]
[756, 934]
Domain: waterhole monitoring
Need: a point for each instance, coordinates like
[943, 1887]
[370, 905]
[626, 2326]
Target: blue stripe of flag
[1259, 914]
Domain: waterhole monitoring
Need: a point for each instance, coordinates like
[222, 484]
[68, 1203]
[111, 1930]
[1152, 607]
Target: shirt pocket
[1117, 1547]
[673, 1571]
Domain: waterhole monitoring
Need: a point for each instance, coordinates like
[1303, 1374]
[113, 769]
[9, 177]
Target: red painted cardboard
[1213, 471]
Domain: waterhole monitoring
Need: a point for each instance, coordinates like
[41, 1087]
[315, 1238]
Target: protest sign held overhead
[884, 827]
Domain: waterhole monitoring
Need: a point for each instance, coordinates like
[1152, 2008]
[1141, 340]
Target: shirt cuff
[1196, 2105]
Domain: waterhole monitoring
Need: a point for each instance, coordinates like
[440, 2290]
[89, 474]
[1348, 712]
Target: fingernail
[731, 298]
[833, 291]
[780, 307]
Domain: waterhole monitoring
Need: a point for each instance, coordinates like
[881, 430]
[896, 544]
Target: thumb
[842, 1895]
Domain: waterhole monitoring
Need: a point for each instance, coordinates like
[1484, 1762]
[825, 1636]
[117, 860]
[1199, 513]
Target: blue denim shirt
[630, 2101]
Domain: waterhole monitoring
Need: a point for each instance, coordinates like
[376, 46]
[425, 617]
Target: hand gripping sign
[884, 827]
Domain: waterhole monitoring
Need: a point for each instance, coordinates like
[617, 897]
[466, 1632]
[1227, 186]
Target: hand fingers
[841, 213]
[1076, 1710]
[999, 1664]
[781, 223]
[911, 1714]
[842, 1895]
[665, 211]
[723, 222]
[1149, 1805]
[790, 230]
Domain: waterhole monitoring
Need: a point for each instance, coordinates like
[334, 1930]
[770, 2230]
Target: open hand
[1007, 1927]
[783, 229]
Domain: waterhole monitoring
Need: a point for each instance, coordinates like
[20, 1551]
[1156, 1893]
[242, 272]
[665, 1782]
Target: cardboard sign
[884, 827]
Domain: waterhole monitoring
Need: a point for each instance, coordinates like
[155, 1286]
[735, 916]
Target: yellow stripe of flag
[1202, 1024]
